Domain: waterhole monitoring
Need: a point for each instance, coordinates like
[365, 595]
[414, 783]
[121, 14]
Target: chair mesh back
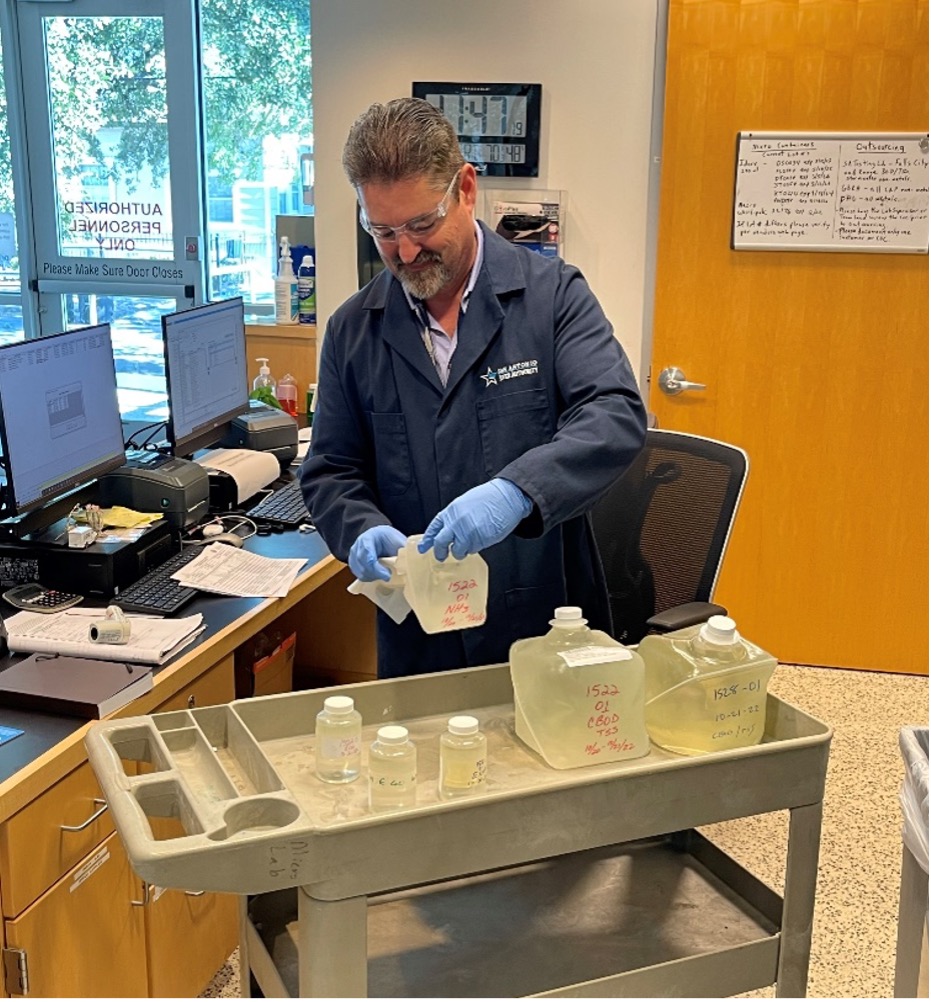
[661, 529]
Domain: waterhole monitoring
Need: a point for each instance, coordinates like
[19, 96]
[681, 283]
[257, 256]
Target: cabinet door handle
[89, 821]
[195, 894]
[145, 896]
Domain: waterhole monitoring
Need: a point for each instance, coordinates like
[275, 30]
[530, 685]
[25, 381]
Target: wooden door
[815, 363]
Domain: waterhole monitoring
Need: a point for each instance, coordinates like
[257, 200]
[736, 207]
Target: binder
[72, 687]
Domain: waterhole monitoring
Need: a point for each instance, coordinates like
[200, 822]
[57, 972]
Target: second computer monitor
[206, 373]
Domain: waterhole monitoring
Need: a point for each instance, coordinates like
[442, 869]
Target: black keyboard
[155, 592]
[285, 506]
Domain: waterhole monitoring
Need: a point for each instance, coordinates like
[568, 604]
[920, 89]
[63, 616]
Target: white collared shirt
[440, 345]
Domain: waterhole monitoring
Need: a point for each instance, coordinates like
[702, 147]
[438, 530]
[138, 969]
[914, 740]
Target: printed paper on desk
[250, 469]
[224, 570]
[152, 641]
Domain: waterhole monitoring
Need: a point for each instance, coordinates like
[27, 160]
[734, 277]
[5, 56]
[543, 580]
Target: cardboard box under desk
[266, 675]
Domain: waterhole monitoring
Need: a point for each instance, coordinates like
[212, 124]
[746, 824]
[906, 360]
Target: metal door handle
[673, 381]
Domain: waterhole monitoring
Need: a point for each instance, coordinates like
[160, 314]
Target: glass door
[112, 128]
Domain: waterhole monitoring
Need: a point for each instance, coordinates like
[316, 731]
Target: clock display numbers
[477, 115]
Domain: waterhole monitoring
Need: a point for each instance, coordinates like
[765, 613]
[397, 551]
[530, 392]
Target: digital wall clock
[498, 124]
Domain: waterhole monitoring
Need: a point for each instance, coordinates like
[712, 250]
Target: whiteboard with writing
[831, 192]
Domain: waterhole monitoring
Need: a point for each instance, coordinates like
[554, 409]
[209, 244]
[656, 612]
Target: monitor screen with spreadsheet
[59, 417]
[206, 373]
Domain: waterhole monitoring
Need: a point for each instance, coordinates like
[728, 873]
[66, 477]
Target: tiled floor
[856, 909]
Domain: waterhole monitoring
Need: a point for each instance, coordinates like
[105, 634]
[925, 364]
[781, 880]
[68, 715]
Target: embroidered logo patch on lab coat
[493, 377]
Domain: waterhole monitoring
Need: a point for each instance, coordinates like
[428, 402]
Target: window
[258, 133]
[162, 162]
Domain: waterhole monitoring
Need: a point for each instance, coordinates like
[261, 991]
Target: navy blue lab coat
[539, 392]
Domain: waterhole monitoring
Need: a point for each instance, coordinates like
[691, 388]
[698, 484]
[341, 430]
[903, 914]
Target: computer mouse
[226, 537]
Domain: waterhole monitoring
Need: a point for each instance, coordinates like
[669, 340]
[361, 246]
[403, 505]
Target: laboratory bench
[77, 921]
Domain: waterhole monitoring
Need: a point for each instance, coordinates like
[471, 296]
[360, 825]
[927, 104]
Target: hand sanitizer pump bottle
[285, 287]
[265, 379]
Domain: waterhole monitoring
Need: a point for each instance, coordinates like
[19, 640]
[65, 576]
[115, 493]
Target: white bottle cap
[392, 734]
[721, 630]
[568, 615]
[308, 261]
[463, 725]
[263, 368]
[338, 704]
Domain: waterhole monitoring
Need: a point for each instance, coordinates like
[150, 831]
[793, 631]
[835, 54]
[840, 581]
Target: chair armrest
[687, 614]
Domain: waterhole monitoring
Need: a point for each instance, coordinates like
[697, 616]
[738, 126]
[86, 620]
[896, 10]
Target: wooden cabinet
[77, 919]
[189, 938]
[213, 687]
[85, 937]
[288, 348]
[53, 833]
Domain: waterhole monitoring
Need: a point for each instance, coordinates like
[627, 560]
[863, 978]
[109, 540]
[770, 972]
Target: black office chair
[662, 529]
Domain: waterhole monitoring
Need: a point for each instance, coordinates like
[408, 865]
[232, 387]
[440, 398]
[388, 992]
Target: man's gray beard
[426, 284]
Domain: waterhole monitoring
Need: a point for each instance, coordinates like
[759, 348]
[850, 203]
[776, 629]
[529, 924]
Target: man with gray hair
[473, 392]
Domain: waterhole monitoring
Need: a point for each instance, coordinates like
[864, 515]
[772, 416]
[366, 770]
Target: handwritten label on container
[601, 711]
[462, 609]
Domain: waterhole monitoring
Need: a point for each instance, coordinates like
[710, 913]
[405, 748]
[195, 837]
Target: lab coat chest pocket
[512, 423]
[392, 454]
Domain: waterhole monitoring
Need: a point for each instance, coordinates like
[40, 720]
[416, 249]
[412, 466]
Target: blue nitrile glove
[477, 519]
[379, 541]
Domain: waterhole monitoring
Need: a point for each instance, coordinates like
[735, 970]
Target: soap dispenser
[265, 379]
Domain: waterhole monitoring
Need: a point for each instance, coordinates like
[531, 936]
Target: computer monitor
[205, 372]
[59, 423]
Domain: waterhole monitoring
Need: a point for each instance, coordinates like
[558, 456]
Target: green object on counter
[267, 396]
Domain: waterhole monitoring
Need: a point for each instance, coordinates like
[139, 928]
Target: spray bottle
[285, 287]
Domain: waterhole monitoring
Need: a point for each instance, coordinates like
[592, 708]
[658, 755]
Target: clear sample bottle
[463, 758]
[286, 393]
[392, 769]
[307, 291]
[445, 595]
[265, 379]
[705, 688]
[285, 287]
[578, 694]
[338, 741]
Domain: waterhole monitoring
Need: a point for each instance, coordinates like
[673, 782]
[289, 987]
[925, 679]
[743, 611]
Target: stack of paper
[225, 570]
[151, 641]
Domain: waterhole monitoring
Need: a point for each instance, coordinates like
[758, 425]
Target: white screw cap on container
[392, 734]
[720, 630]
[463, 725]
[568, 615]
[338, 704]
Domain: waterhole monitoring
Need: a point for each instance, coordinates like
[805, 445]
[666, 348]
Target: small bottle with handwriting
[338, 741]
[463, 758]
[392, 769]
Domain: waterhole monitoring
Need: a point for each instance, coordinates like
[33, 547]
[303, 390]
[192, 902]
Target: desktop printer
[264, 429]
[149, 481]
[99, 570]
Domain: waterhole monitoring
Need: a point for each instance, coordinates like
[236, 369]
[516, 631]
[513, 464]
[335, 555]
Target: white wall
[594, 59]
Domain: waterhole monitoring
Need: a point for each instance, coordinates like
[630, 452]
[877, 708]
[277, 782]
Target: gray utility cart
[584, 882]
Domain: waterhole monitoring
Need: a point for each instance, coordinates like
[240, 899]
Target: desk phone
[35, 598]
